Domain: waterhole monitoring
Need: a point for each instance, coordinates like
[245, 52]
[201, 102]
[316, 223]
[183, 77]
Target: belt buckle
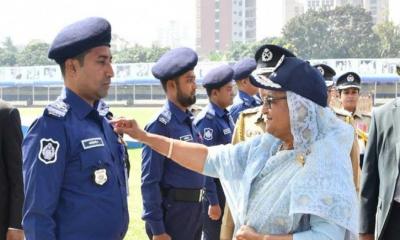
[201, 195]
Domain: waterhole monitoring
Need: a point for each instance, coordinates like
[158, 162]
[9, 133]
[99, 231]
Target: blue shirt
[216, 126]
[241, 102]
[160, 173]
[61, 154]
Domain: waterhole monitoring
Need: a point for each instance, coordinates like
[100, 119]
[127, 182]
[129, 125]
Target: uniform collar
[177, 112]
[79, 106]
[247, 99]
[357, 114]
[217, 110]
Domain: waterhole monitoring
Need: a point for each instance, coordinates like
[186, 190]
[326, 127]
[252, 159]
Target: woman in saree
[294, 181]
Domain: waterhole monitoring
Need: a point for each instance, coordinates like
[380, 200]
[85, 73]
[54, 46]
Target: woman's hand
[128, 126]
[248, 233]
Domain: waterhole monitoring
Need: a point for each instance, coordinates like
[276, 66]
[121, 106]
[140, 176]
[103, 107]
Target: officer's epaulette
[366, 114]
[342, 112]
[57, 109]
[251, 111]
[210, 114]
[164, 117]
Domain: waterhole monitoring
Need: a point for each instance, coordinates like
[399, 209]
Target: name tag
[186, 138]
[92, 142]
[227, 131]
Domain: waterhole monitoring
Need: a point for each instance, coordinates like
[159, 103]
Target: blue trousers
[182, 220]
[212, 228]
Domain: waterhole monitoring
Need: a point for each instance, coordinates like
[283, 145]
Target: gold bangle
[171, 146]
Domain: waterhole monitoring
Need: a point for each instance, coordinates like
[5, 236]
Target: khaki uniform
[359, 137]
[249, 124]
[362, 122]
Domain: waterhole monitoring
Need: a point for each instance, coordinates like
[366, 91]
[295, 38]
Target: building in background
[221, 22]
[379, 9]
[291, 9]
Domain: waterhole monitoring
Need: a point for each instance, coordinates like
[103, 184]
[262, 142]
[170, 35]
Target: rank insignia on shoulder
[92, 142]
[57, 109]
[100, 176]
[165, 117]
[48, 150]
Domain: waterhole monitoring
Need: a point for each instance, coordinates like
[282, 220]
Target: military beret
[268, 57]
[348, 80]
[79, 37]
[298, 76]
[244, 68]
[174, 63]
[327, 72]
[218, 77]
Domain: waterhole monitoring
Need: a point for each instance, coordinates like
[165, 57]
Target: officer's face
[277, 113]
[186, 89]
[224, 95]
[349, 98]
[94, 76]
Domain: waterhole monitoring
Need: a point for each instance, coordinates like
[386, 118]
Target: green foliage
[389, 35]
[139, 53]
[35, 53]
[345, 32]
[8, 53]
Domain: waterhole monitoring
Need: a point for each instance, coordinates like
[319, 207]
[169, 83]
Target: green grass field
[142, 115]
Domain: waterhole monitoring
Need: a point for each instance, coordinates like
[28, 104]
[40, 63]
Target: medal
[100, 176]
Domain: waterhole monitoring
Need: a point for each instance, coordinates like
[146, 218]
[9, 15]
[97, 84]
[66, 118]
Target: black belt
[184, 194]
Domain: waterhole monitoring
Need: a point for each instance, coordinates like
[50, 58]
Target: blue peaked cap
[298, 76]
[218, 77]
[79, 37]
[174, 63]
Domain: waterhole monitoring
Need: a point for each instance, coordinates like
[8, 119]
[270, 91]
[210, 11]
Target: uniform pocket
[93, 158]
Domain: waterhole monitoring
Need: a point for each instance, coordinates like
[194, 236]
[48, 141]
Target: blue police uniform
[172, 194]
[216, 127]
[243, 101]
[74, 174]
[74, 168]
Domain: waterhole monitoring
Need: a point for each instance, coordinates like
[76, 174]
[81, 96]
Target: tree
[35, 53]
[139, 53]
[389, 39]
[8, 53]
[344, 32]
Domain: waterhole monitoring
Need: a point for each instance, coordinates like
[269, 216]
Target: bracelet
[171, 146]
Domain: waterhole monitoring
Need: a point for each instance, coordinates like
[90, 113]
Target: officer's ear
[70, 68]
[171, 85]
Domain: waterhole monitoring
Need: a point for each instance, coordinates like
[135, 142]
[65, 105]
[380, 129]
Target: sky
[138, 21]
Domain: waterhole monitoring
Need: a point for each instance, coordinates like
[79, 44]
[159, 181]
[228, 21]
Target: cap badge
[350, 78]
[321, 70]
[267, 55]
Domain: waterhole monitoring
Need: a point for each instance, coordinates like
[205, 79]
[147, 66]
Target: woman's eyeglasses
[267, 101]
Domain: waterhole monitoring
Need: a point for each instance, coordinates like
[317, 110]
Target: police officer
[216, 126]
[73, 162]
[349, 85]
[245, 97]
[251, 121]
[172, 194]
[328, 73]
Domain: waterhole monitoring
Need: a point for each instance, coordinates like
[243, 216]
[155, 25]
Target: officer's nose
[110, 71]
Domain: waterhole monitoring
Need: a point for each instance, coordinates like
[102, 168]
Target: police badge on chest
[100, 176]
